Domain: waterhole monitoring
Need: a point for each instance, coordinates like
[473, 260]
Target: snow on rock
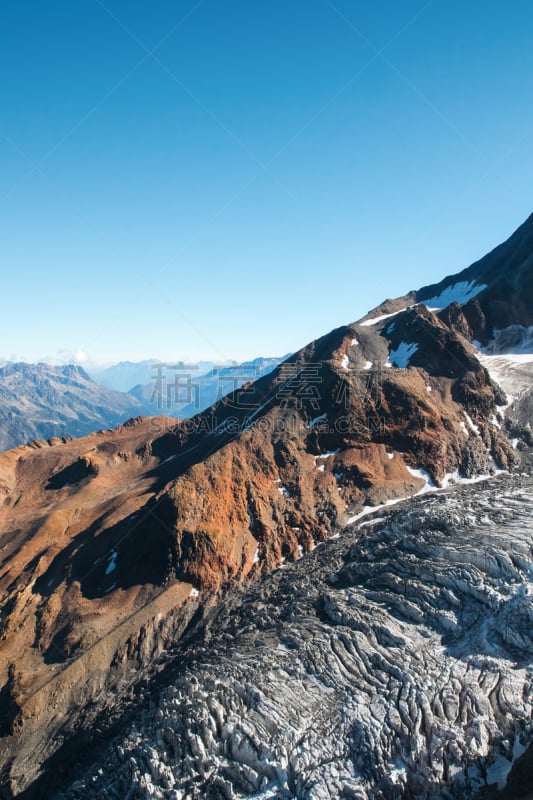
[112, 563]
[316, 420]
[323, 457]
[355, 342]
[423, 475]
[374, 321]
[401, 356]
[368, 364]
[345, 362]
[471, 424]
[460, 292]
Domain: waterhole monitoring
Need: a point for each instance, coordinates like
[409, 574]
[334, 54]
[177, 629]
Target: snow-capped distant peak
[460, 292]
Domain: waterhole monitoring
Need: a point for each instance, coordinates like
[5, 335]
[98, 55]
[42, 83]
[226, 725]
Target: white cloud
[77, 356]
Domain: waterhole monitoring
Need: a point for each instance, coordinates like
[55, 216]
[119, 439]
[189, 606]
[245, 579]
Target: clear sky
[231, 178]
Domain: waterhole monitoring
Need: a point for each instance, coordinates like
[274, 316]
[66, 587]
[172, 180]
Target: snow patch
[425, 476]
[370, 509]
[320, 467]
[460, 292]
[112, 563]
[471, 424]
[375, 320]
[316, 420]
[401, 356]
[345, 363]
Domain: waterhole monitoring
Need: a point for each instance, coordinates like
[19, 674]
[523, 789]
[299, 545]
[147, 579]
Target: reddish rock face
[103, 537]
[90, 527]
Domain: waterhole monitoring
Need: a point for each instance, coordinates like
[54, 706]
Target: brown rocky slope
[113, 546]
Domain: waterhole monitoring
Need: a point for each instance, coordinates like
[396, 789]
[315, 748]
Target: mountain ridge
[175, 515]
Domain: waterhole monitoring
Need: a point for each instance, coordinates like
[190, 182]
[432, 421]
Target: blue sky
[232, 178]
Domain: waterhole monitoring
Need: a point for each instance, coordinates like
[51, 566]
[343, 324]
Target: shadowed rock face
[395, 661]
[112, 544]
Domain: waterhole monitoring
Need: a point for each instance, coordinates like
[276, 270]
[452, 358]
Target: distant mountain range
[126, 374]
[181, 391]
[39, 401]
